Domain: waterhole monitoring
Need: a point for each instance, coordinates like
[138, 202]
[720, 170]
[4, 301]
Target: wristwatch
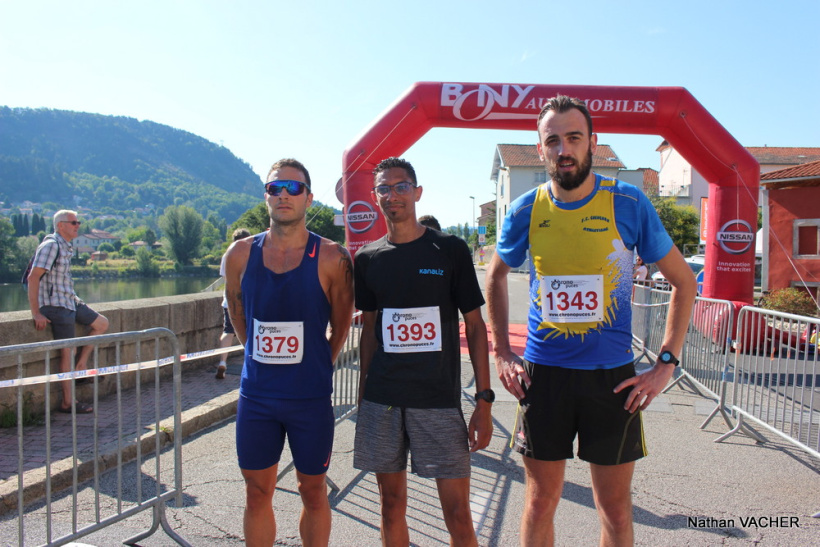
[487, 395]
[667, 358]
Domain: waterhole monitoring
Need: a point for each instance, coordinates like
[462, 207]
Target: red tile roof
[783, 154]
[526, 155]
[807, 174]
[650, 177]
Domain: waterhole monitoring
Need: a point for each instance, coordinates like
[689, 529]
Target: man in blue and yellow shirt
[577, 376]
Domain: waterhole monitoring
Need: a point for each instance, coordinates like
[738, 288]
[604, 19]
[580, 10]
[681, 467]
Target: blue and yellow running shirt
[581, 261]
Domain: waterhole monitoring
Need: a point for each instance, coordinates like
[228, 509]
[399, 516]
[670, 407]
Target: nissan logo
[361, 216]
[736, 237]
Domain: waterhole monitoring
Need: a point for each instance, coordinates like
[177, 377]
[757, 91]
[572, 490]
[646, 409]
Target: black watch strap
[667, 358]
[486, 395]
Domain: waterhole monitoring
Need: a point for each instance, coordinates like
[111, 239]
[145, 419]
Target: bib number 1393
[572, 298]
[411, 330]
[278, 342]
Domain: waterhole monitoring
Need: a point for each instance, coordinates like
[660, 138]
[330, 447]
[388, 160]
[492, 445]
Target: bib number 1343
[572, 298]
[278, 342]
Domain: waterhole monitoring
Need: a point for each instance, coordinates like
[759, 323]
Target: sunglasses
[72, 222]
[293, 187]
[400, 189]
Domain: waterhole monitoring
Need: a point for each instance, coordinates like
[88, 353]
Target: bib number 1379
[278, 342]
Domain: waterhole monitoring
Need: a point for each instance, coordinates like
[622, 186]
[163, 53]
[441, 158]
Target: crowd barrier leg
[148, 430]
[345, 387]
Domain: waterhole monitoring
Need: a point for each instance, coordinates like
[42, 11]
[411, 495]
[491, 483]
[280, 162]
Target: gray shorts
[436, 438]
[63, 320]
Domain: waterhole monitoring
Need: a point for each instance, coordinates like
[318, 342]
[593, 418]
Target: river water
[14, 298]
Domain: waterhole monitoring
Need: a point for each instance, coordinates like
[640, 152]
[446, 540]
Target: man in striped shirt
[52, 299]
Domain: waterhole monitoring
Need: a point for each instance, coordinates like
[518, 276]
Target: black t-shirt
[433, 270]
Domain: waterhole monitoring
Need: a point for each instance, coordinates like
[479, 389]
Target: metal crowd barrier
[650, 307]
[776, 376]
[705, 355]
[706, 366]
[345, 384]
[140, 433]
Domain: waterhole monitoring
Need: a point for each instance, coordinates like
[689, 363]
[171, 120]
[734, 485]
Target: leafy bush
[792, 301]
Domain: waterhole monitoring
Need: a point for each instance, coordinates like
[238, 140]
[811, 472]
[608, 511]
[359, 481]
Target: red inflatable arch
[671, 112]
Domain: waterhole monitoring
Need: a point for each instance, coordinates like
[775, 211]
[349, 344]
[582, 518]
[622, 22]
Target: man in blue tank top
[284, 286]
[411, 285]
[577, 377]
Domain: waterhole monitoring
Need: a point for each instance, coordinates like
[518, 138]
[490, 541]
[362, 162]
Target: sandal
[80, 408]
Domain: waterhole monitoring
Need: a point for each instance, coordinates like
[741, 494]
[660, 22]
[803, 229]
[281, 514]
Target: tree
[211, 238]
[681, 223]
[219, 223]
[491, 232]
[255, 219]
[8, 251]
[146, 265]
[319, 219]
[182, 226]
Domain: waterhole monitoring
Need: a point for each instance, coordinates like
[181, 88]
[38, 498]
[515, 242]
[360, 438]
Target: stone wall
[195, 319]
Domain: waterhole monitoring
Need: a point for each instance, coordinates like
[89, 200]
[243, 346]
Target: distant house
[90, 242]
[487, 213]
[517, 169]
[644, 178]
[137, 244]
[791, 245]
[678, 179]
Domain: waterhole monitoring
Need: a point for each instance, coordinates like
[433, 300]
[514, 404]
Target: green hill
[113, 164]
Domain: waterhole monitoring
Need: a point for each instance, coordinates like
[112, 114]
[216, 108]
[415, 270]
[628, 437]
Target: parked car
[696, 263]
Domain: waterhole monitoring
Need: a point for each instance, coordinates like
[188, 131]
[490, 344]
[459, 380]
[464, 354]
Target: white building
[678, 179]
[90, 242]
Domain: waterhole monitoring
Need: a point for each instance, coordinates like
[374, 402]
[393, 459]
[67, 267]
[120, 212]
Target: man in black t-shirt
[411, 286]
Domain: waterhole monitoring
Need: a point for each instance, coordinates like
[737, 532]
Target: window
[806, 238]
[540, 176]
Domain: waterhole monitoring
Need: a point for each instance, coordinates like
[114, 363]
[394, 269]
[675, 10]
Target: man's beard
[570, 181]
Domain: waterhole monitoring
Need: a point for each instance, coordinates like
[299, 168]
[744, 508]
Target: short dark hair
[430, 221]
[399, 163]
[290, 162]
[562, 103]
[240, 233]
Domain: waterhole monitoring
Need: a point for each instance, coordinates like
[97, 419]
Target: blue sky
[302, 79]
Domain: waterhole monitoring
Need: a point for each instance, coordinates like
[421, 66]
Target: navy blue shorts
[263, 424]
[227, 326]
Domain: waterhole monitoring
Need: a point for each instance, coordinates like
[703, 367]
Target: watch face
[667, 357]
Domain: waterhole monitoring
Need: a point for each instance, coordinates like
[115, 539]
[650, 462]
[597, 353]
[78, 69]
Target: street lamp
[473, 198]
[474, 229]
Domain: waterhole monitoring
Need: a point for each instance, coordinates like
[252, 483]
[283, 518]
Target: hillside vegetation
[113, 164]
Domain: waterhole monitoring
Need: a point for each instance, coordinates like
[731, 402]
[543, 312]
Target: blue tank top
[287, 354]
